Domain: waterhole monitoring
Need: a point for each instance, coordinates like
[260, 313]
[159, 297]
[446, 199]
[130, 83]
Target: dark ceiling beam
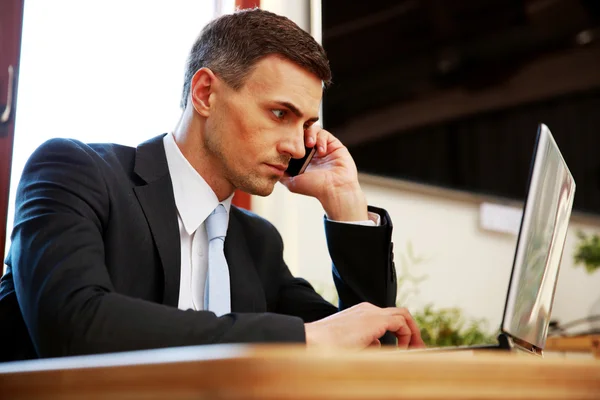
[370, 20]
[547, 77]
[444, 26]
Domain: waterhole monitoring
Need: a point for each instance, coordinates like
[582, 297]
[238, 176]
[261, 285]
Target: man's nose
[293, 145]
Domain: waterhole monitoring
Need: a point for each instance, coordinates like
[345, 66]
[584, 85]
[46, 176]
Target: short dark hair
[231, 45]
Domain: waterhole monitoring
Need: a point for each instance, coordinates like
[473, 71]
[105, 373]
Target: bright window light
[102, 71]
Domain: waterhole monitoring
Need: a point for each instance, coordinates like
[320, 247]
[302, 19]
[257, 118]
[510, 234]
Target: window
[102, 71]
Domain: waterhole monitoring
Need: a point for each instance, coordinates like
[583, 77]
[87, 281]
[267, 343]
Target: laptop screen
[540, 244]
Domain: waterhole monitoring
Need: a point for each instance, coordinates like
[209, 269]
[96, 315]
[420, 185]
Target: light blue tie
[217, 293]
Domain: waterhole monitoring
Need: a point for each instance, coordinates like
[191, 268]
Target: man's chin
[263, 193]
[263, 189]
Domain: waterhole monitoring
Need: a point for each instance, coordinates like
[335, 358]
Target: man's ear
[201, 88]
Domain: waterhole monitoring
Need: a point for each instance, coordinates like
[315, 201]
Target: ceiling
[388, 54]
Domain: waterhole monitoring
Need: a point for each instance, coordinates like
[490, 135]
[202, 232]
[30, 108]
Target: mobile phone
[297, 166]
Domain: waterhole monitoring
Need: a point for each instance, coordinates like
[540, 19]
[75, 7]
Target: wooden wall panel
[11, 21]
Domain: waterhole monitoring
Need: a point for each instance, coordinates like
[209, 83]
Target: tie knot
[216, 223]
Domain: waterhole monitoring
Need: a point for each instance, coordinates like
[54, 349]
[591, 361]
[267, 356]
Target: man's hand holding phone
[330, 177]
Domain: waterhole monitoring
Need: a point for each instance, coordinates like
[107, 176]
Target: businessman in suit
[117, 248]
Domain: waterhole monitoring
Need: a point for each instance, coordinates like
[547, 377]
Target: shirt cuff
[374, 220]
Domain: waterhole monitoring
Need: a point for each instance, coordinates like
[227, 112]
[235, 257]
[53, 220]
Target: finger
[375, 343]
[400, 329]
[332, 143]
[396, 323]
[416, 339]
[286, 180]
[310, 135]
[300, 184]
[403, 341]
[322, 139]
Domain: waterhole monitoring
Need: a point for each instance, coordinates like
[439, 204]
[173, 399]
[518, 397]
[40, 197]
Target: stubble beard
[247, 181]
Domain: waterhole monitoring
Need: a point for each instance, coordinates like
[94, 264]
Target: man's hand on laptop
[362, 325]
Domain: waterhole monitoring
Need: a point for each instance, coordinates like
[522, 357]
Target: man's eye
[279, 113]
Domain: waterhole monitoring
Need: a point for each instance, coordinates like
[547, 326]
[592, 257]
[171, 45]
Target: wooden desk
[259, 372]
[574, 344]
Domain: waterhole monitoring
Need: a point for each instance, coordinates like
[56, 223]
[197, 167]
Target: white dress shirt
[195, 200]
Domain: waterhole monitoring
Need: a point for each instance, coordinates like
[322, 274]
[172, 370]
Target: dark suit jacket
[94, 264]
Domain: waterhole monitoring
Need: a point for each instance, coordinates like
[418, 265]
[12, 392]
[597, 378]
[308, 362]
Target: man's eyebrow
[295, 110]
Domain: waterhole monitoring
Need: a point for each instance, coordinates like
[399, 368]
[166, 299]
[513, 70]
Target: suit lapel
[244, 281]
[158, 203]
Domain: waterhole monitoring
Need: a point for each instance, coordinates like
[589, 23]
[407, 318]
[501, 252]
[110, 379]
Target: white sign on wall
[500, 218]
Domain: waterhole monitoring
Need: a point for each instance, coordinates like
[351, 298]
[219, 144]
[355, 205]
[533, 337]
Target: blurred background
[438, 102]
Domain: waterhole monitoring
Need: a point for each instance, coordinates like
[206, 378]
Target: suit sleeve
[363, 271]
[63, 287]
[363, 264]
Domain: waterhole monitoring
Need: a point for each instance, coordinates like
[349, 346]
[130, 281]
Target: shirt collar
[194, 198]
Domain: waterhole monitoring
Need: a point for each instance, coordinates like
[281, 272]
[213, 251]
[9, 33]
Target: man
[113, 247]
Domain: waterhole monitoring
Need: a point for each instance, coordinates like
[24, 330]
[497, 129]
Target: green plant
[588, 252]
[439, 327]
[448, 327]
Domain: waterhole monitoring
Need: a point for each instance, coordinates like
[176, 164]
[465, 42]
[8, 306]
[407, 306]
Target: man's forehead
[274, 71]
[282, 80]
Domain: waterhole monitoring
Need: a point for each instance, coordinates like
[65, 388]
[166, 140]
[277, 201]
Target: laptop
[540, 244]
